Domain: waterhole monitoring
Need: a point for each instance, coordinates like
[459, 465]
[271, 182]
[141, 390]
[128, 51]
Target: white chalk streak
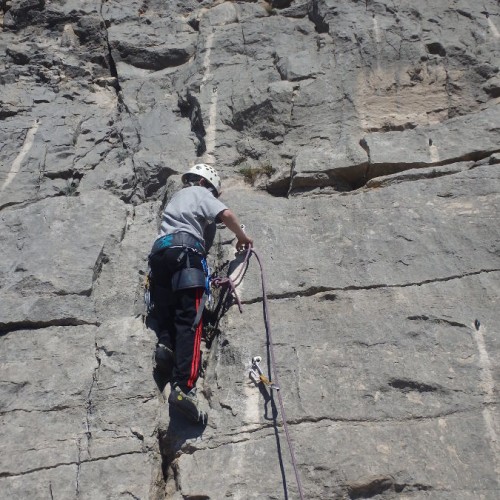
[206, 60]
[376, 30]
[212, 123]
[493, 28]
[434, 152]
[212, 98]
[252, 402]
[488, 386]
[16, 165]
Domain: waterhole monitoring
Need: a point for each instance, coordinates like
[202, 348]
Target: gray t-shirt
[190, 210]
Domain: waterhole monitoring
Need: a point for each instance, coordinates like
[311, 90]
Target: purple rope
[231, 283]
[275, 375]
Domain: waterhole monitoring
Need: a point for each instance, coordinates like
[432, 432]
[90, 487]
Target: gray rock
[66, 384]
[59, 481]
[23, 310]
[442, 209]
[418, 173]
[347, 372]
[153, 45]
[75, 249]
[380, 248]
[341, 166]
[21, 12]
[492, 86]
[219, 15]
[298, 66]
[464, 138]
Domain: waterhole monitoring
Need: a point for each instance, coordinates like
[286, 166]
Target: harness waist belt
[180, 239]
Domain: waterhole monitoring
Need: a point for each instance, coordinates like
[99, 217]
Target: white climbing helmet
[207, 172]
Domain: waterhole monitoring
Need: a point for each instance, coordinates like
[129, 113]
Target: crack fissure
[90, 406]
[122, 107]
[111, 61]
[321, 289]
[38, 410]
[40, 325]
[64, 464]
[402, 167]
[190, 450]
[190, 108]
[320, 25]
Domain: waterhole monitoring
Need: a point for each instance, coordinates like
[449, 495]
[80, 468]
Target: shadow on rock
[269, 399]
[173, 440]
[161, 375]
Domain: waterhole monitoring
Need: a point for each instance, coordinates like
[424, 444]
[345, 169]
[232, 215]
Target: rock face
[359, 142]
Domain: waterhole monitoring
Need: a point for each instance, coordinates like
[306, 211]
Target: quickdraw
[257, 375]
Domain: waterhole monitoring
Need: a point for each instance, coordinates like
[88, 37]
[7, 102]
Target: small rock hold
[137, 433]
[69, 37]
[106, 81]
[492, 87]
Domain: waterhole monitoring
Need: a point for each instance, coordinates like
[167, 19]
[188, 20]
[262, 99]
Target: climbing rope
[232, 283]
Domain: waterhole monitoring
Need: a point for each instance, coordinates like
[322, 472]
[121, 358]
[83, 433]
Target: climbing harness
[185, 278]
[177, 240]
[256, 370]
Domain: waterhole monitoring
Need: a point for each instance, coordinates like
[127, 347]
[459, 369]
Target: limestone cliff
[358, 141]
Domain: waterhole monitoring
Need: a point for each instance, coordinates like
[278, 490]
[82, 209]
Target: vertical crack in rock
[90, 406]
[167, 453]
[78, 466]
[122, 105]
[366, 147]
[244, 44]
[111, 61]
[41, 171]
[143, 8]
[447, 85]
[190, 108]
[102, 259]
[319, 21]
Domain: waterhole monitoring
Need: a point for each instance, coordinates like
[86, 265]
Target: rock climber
[178, 271]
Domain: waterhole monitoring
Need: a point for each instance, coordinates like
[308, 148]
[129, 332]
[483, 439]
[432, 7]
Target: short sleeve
[211, 207]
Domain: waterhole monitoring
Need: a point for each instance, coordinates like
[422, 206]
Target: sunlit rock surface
[359, 143]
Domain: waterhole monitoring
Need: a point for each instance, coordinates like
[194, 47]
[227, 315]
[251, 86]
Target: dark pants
[175, 313]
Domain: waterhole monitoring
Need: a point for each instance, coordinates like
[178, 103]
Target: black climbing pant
[175, 313]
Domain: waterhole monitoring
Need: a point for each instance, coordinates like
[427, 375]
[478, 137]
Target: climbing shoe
[164, 358]
[187, 404]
